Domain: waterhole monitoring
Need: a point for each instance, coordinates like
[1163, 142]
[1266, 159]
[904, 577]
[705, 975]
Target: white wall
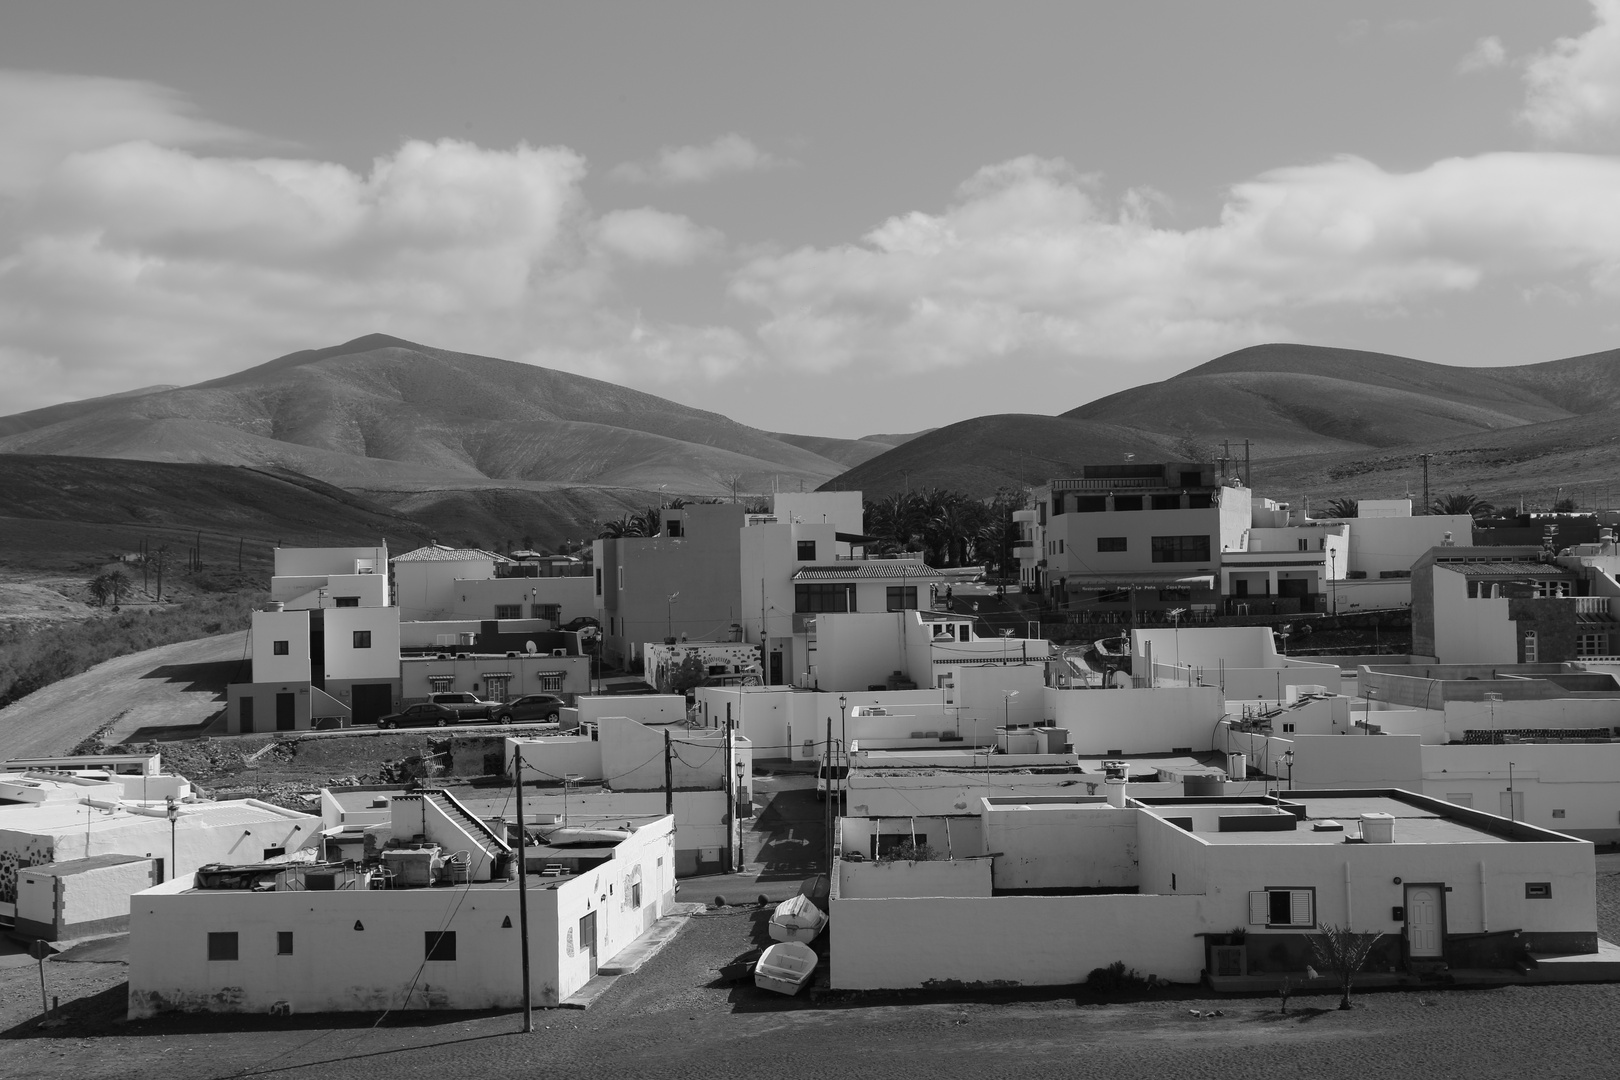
[958, 877]
[270, 627]
[1580, 779]
[784, 723]
[476, 599]
[1146, 721]
[1072, 846]
[633, 756]
[549, 760]
[843, 510]
[426, 590]
[1470, 630]
[344, 661]
[645, 708]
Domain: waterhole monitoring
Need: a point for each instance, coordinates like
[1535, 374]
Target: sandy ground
[165, 692]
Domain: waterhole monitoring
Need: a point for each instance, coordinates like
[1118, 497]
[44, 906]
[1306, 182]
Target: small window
[807, 551]
[440, 944]
[1167, 502]
[621, 579]
[1530, 650]
[284, 942]
[222, 946]
[635, 894]
[598, 581]
[1127, 502]
[273, 853]
[1200, 502]
[552, 612]
[362, 639]
[1558, 813]
[281, 648]
[900, 597]
[1060, 547]
[348, 601]
[1110, 543]
[1091, 504]
[509, 611]
[1283, 907]
[1304, 545]
[1538, 890]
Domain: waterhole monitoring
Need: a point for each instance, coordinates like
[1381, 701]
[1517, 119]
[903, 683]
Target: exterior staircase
[452, 826]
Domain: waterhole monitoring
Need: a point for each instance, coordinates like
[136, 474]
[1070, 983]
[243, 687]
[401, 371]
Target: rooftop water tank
[1378, 828]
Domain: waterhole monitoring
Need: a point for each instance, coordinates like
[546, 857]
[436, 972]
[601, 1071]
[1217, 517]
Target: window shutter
[1259, 908]
[1302, 915]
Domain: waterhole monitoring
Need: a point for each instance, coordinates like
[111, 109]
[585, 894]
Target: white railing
[1591, 605]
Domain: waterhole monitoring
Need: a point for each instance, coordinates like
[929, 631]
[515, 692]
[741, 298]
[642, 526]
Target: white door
[1423, 922]
[1511, 804]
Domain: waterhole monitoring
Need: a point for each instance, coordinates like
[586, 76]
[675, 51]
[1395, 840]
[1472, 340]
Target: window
[1283, 907]
[1192, 479]
[347, 601]
[550, 682]
[1591, 644]
[1559, 814]
[674, 528]
[635, 894]
[1090, 504]
[1060, 547]
[440, 944]
[362, 639]
[280, 648]
[1127, 502]
[1530, 647]
[441, 684]
[1167, 502]
[1173, 595]
[824, 597]
[1552, 588]
[621, 579]
[222, 946]
[1538, 890]
[807, 551]
[284, 942]
[1304, 545]
[1110, 543]
[552, 612]
[1200, 502]
[272, 853]
[599, 581]
[1180, 548]
[509, 611]
[901, 597]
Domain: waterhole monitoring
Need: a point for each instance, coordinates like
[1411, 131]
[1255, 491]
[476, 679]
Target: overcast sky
[832, 219]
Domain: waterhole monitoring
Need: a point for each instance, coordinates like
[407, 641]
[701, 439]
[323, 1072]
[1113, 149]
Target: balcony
[1123, 483]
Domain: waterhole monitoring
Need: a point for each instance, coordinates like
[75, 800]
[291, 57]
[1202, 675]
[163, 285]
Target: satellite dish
[530, 647]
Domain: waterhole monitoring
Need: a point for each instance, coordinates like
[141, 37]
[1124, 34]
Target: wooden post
[729, 865]
[669, 779]
[523, 886]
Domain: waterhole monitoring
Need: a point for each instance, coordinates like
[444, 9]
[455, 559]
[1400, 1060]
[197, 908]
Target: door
[1511, 805]
[286, 706]
[776, 668]
[587, 938]
[246, 707]
[371, 700]
[1425, 922]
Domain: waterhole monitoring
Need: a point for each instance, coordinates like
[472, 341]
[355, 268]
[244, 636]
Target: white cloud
[726, 155]
[1487, 53]
[1573, 87]
[654, 236]
[1030, 259]
[143, 259]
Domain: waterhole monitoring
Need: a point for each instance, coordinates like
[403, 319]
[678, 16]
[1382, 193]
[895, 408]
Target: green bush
[1114, 978]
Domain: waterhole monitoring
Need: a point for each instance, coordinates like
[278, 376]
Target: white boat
[785, 967]
[797, 919]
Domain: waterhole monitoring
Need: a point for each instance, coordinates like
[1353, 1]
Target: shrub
[1115, 978]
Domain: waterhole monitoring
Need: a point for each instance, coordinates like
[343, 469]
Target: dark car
[422, 714]
[466, 706]
[530, 708]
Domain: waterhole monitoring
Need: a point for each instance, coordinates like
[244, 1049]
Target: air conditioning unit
[559, 652]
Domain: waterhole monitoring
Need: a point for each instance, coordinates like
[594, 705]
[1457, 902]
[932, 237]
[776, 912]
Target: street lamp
[843, 738]
[1288, 760]
[1491, 698]
[1006, 718]
[1333, 576]
[1513, 813]
[736, 815]
[174, 816]
[669, 617]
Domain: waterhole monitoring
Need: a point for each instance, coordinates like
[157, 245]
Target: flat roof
[79, 866]
[1417, 820]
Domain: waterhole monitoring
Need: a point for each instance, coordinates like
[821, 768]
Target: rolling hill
[1316, 418]
[378, 412]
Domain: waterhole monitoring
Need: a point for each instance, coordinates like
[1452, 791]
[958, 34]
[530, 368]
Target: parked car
[466, 706]
[528, 709]
[422, 714]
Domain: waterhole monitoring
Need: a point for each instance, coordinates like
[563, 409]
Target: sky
[831, 219]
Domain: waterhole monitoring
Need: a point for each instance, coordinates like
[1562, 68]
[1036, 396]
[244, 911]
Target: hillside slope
[380, 409]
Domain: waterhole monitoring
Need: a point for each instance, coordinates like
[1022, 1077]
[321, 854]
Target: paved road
[162, 692]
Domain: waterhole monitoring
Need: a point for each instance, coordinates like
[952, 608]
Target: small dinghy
[797, 919]
[785, 967]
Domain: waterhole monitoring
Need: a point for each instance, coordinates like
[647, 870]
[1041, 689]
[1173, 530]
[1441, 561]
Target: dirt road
[161, 693]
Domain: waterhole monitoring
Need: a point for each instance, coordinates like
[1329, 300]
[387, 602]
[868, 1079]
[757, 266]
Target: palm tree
[1461, 503]
[650, 520]
[627, 525]
[1343, 508]
[117, 585]
[99, 589]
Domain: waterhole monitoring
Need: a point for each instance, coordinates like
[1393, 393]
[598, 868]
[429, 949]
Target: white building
[1161, 884]
[307, 578]
[363, 949]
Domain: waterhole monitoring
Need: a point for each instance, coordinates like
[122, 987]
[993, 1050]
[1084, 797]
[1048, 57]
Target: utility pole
[669, 779]
[1248, 472]
[827, 759]
[1426, 458]
[731, 799]
[523, 884]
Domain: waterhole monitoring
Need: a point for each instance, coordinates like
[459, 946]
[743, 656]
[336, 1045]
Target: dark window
[1167, 502]
[347, 601]
[1111, 543]
[673, 528]
[599, 581]
[1060, 547]
[280, 648]
[807, 551]
[1090, 504]
[1127, 502]
[635, 894]
[440, 944]
[509, 611]
[362, 639]
[823, 598]
[1394, 573]
[273, 853]
[1283, 907]
[284, 939]
[247, 715]
[1304, 545]
[546, 611]
[1538, 890]
[1180, 548]
[222, 946]
[1191, 479]
[901, 597]
[1040, 513]
[1200, 502]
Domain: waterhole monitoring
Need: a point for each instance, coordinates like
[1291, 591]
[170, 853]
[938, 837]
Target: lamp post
[669, 617]
[1491, 698]
[1288, 760]
[736, 816]
[1006, 718]
[1333, 576]
[1366, 718]
[843, 738]
[1513, 813]
[174, 816]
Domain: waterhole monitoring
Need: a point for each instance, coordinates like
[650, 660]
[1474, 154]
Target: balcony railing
[1122, 483]
[1591, 605]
